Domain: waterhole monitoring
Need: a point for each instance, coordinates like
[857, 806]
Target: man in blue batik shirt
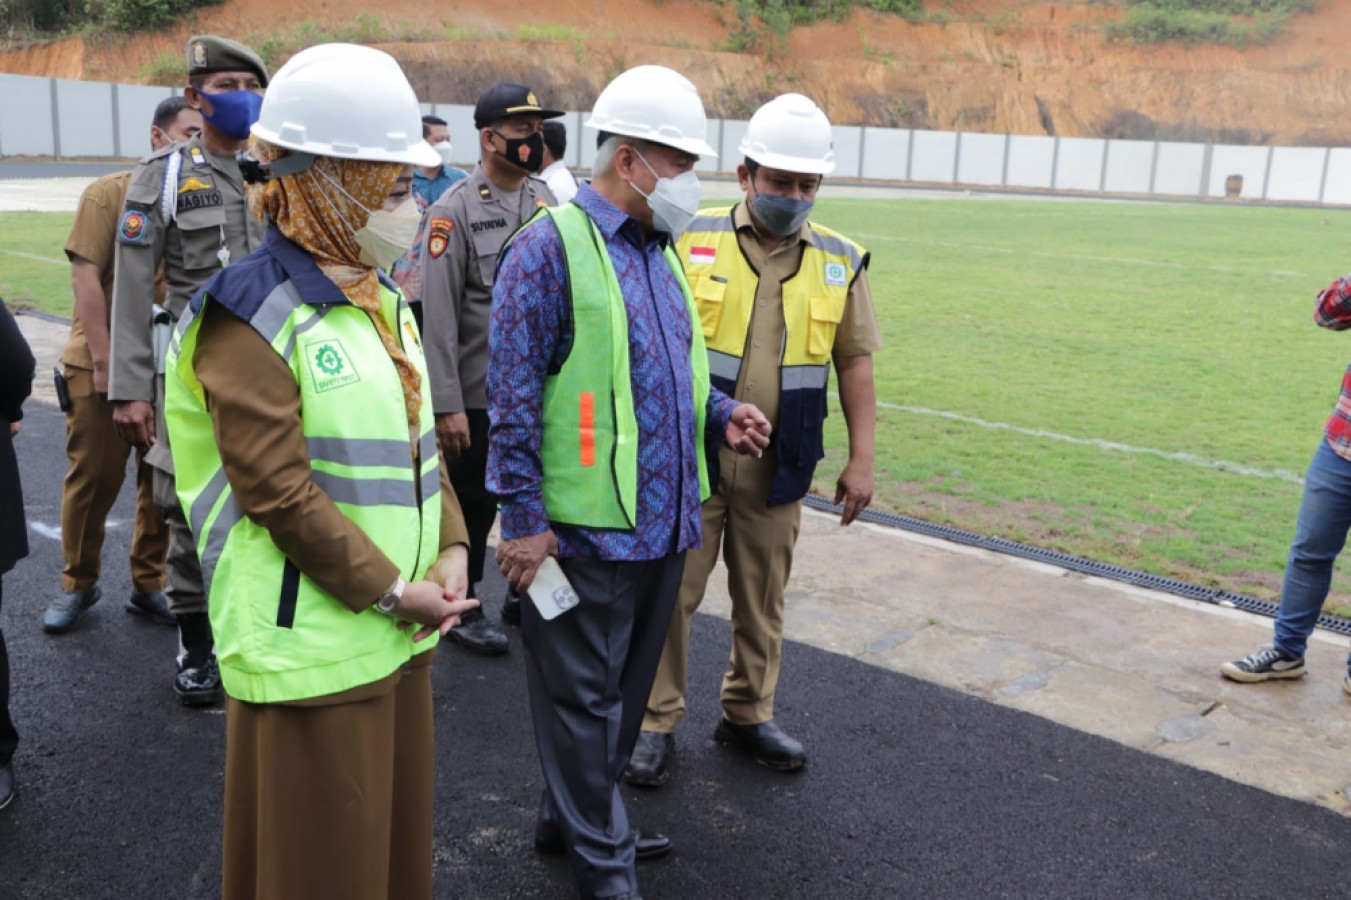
[604, 472]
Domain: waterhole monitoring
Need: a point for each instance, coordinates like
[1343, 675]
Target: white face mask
[674, 201]
[388, 234]
[443, 150]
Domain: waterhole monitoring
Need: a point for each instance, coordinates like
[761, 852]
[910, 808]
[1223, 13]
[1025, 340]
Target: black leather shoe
[645, 847]
[65, 611]
[152, 606]
[765, 742]
[198, 680]
[647, 766]
[6, 784]
[511, 608]
[478, 635]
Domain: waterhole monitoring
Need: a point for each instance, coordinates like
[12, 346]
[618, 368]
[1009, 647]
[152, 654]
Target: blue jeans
[1320, 535]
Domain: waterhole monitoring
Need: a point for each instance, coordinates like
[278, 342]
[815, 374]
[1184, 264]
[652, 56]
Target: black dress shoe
[645, 846]
[647, 766]
[478, 635]
[152, 606]
[511, 608]
[6, 784]
[197, 682]
[765, 742]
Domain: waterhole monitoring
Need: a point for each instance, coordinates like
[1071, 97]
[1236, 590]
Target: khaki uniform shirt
[210, 221]
[857, 335]
[465, 231]
[93, 237]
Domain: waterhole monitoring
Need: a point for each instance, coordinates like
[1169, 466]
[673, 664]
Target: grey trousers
[184, 589]
[589, 673]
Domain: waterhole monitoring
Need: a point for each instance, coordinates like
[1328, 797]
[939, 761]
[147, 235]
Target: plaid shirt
[1334, 311]
[407, 270]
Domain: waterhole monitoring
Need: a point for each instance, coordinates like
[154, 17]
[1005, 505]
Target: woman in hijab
[332, 545]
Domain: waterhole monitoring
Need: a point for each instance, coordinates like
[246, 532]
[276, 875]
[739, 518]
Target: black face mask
[524, 153]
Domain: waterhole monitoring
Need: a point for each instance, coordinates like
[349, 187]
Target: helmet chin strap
[255, 172]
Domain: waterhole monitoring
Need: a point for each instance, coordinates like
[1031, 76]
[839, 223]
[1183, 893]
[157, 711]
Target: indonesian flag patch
[703, 256]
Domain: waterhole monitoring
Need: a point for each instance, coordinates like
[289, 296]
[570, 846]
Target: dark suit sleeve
[16, 367]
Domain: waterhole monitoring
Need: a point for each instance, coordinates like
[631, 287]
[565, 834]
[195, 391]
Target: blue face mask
[781, 216]
[233, 111]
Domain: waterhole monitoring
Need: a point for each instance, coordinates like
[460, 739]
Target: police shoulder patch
[438, 235]
[134, 225]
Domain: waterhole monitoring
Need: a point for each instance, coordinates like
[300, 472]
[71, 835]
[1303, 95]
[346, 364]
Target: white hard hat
[345, 101]
[656, 104]
[790, 133]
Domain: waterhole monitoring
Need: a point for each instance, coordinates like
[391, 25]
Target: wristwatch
[390, 598]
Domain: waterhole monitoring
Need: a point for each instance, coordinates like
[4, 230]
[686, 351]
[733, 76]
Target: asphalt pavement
[915, 789]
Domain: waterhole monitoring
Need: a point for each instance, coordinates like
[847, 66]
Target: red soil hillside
[998, 66]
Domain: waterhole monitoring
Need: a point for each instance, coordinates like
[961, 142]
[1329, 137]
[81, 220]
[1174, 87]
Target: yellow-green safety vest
[589, 448]
[279, 636]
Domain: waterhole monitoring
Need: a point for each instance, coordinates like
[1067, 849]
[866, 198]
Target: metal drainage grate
[1078, 564]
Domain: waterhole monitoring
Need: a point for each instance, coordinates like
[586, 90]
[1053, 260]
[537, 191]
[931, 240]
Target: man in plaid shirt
[1320, 533]
[428, 186]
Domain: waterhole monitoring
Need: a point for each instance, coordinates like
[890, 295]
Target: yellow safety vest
[724, 286]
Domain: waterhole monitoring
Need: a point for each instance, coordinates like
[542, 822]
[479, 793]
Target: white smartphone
[550, 591]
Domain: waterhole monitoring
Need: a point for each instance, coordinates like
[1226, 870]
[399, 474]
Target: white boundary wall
[57, 118]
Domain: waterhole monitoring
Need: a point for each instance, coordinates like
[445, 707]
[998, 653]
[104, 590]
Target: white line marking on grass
[1124, 260]
[1190, 459]
[34, 256]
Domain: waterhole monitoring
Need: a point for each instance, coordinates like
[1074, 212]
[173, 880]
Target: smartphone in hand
[550, 591]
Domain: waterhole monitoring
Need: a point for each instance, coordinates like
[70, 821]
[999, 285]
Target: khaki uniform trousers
[331, 802]
[186, 593]
[757, 546]
[98, 466]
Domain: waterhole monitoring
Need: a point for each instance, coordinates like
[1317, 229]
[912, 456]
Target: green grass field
[33, 267]
[1023, 335]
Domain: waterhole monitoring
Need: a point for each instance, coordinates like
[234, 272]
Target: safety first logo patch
[836, 274]
[330, 366]
[438, 236]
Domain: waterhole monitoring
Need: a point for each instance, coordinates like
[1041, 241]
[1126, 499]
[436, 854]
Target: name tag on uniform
[199, 199]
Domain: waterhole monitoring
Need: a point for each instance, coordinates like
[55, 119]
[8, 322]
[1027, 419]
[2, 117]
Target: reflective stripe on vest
[279, 636]
[589, 447]
[814, 298]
